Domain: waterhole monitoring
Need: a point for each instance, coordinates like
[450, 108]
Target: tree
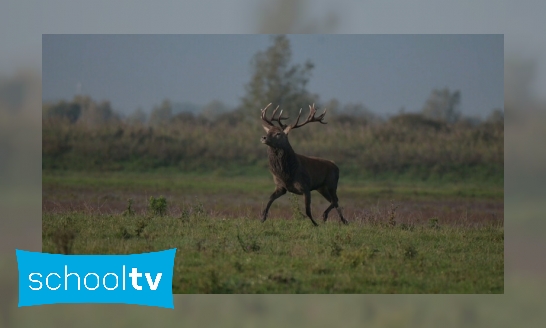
[83, 110]
[137, 117]
[70, 111]
[351, 113]
[161, 114]
[291, 16]
[94, 114]
[275, 80]
[496, 116]
[334, 107]
[442, 105]
[213, 109]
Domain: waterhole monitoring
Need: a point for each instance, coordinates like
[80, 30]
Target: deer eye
[278, 134]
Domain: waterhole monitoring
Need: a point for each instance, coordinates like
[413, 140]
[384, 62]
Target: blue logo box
[143, 279]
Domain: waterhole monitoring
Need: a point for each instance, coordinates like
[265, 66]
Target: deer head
[277, 136]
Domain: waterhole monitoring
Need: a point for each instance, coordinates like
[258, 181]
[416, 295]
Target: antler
[270, 121]
[310, 118]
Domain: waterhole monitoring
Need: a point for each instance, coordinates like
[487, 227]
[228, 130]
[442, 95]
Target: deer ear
[287, 129]
[265, 128]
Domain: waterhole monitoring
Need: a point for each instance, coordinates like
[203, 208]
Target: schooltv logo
[143, 279]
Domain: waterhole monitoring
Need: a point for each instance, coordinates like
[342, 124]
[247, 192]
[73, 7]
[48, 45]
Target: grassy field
[403, 237]
[217, 255]
[257, 179]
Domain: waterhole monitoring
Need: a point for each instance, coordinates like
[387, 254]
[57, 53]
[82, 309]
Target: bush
[158, 206]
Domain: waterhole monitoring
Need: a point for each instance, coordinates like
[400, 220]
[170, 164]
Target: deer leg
[276, 194]
[335, 204]
[341, 215]
[308, 206]
[326, 194]
[325, 214]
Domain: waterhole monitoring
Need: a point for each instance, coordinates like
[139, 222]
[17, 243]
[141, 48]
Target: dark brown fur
[299, 174]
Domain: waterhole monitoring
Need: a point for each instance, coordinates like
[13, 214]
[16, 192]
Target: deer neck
[283, 162]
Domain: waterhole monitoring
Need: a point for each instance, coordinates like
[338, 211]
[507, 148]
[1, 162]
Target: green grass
[242, 255]
[235, 253]
[206, 183]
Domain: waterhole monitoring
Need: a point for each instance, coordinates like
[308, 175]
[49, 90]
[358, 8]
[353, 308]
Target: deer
[297, 173]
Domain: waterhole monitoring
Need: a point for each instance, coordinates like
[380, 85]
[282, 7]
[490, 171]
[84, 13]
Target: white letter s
[32, 280]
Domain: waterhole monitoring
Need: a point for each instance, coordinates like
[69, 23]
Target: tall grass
[403, 146]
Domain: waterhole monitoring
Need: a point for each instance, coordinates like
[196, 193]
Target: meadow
[404, 237]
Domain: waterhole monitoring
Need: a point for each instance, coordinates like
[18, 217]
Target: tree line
[274, 80]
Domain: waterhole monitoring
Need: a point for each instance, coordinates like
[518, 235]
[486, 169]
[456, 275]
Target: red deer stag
[297, 173]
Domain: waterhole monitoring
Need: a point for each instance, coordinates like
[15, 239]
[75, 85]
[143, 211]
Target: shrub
[158, 206]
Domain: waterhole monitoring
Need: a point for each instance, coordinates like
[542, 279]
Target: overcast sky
[22, 23]
[385, 72]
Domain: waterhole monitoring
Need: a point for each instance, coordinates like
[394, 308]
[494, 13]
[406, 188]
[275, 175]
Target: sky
[22, 23]
[384, 72]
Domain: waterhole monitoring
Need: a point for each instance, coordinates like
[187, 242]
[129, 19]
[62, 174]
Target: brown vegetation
[407, 144]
